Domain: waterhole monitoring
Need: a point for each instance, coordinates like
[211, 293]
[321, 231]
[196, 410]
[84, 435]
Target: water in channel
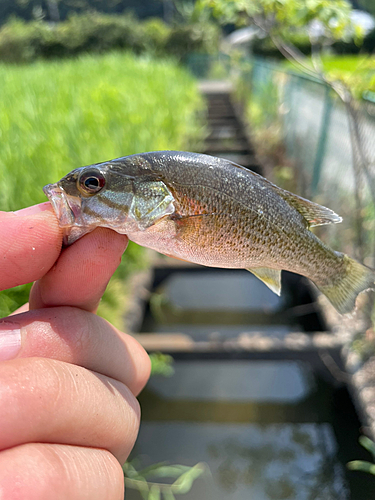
[268, 429]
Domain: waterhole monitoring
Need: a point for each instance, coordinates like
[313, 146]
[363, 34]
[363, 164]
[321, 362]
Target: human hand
[68, 379]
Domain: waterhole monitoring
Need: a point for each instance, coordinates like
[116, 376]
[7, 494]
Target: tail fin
[356, 279]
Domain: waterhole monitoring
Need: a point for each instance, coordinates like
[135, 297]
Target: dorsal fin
[314, 214]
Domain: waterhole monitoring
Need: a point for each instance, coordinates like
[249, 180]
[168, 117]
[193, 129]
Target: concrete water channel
[253, 395]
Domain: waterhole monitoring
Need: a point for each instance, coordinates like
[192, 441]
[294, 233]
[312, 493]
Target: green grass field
[60, 115]
[357, 71]
[347, 63]
[56, 116]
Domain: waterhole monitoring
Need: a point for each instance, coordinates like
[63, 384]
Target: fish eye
[91, 182]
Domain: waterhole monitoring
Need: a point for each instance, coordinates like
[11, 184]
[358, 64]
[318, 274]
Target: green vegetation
[56, 10]
[301, 41]
[356, 71]
[161, 364]
[182, 475]
[59, 115]
[362, 465]
[266, 48]
[347, 63]
[282, 19]
[22, 41]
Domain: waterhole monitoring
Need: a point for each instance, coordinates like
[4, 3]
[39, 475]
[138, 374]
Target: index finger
[30, 243]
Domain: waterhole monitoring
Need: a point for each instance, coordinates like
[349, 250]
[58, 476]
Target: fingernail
[35, 209]
[10, 340]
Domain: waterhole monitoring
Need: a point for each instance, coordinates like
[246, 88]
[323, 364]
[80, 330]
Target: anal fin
[270, 277]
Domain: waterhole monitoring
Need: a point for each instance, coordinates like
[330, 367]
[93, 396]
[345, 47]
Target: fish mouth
[68, 212]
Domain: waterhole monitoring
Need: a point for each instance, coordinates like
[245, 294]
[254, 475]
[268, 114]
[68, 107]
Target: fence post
[322, 141]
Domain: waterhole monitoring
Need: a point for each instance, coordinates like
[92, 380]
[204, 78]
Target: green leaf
[151, 469]
[153, 490]
[129, 470]
[161, 470]
[368, 444]
[362, 466]
[171, 471]
[185, 481]
[154, 493]
[168, 495]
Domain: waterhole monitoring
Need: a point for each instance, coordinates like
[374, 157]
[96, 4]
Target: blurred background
[253, 396]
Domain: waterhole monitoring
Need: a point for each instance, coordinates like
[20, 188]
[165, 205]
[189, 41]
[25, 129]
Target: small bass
[209, 211]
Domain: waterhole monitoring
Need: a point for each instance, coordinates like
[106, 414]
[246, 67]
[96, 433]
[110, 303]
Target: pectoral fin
[152, 201]
[270, 277]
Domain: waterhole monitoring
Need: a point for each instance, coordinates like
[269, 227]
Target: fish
[209, 211]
